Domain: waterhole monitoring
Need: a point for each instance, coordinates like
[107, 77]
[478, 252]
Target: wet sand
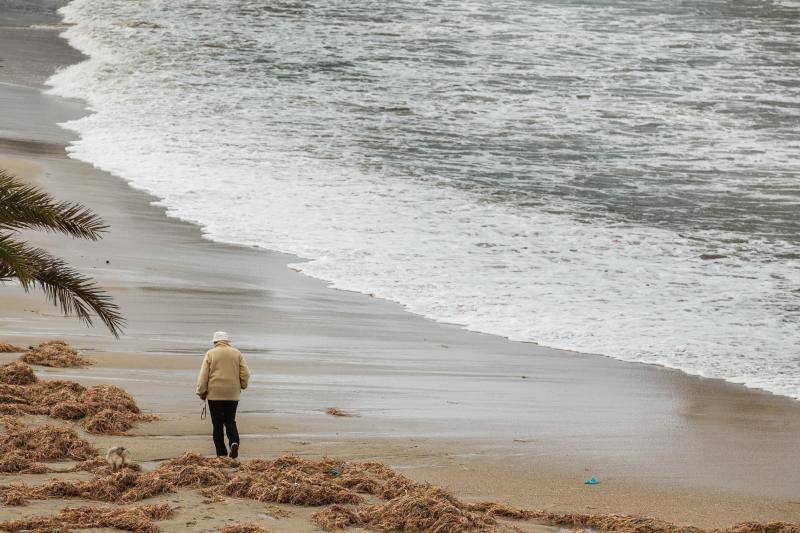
[489, 418]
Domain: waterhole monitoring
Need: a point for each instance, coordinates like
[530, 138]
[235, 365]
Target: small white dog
[117, 457]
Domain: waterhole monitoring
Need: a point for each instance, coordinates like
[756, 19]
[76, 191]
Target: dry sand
[489, 418]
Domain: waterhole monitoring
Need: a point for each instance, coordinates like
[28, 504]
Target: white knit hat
[220, 336]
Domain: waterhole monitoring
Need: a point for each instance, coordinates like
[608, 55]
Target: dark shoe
[234, 450]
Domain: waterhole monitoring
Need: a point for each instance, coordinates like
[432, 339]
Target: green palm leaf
[26, 207]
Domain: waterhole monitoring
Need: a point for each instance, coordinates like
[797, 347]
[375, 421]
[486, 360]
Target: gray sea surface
[616, 177]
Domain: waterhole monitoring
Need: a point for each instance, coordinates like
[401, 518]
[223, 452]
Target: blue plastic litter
[593, 481]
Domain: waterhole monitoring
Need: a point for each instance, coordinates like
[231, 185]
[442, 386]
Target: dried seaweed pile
[125, 486]
[297, 481]
[411, 506]
[99, 465]
[18, 462]
[138, 519]
[55, 354]
[284, 480]
[444, 514]
[22, 448]
[335, 411]
[367, 495]
[110, 410]
[128, 485]
[46, 443]
[420, 507]
[17, 373]
[10, 348]
[432, 509]
[101, 409]
[248, 527]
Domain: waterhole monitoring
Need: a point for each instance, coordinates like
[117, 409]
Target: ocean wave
[216, 109]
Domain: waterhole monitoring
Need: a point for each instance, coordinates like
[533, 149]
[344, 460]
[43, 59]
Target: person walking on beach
[223, 376]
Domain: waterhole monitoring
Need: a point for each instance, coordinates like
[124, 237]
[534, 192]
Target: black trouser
[223, 414]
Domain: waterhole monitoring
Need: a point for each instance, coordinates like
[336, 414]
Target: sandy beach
[488, 418]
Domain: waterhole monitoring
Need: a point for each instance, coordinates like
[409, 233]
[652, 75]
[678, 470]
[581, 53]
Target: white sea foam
[182, 109]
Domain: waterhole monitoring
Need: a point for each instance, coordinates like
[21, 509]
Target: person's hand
[203, 396]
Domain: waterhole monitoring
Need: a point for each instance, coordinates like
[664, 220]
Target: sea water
[607, 176]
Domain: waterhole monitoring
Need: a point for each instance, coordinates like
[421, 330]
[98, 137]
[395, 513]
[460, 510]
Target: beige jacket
[224, 373]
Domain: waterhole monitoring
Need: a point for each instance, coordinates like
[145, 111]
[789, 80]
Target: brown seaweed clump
[57, 398]
[769, 527]
[406, 505]
[99, 465]
[10, 348]
[46, 443]
[18, 462]
[101, 409]
[127, 485]
[247, 527]
[22, 448]
[118, 487]
[54, 354]
[336, 518]
[110, 410]
[37, 397]
[109, 422]
[426, 508]
[17, 373]
[190, 458]
[10, 423]
[335, 411]
[138, 519]
[291, 480]
[101, 397]
[13, 397]
[68, 410]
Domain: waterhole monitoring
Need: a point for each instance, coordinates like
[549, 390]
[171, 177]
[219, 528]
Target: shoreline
[324, 347]
[688, 341]
[291, 259]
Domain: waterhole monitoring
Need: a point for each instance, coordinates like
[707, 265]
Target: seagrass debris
[46, 443]
[276, 512]
[101, 409]
[10, 348]
[296, 481]
[284, 480]
[247, 527]
[10, 423]
[18, 462]
[190, 458]
[138, 519]
[110, 410]
[425, 508]
[99, 465]
[119, 487]
[335, 411]
[414, 512]
[407, 505]
[113, 422]
[17, 373]
[54, 354]
[769, 527]
[101, 397]
[127, 485]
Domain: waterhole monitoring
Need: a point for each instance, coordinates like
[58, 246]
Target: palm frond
[74, 293]
[14, 261]
[25, 206]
